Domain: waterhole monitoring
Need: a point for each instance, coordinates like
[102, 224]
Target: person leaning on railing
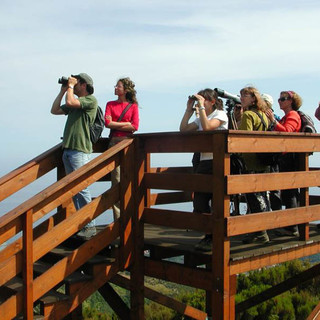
[126, 108]
[254, 107]
[289, 102]
[211, 117]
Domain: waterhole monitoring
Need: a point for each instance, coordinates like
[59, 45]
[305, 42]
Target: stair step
[64, 252]
[53, 297]
[35, 317]
[41, 267]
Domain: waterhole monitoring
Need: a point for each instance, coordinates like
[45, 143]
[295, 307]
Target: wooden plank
[177, 181]
[272, 258]
[247, 183]
[27, 268]
[270, 220]
[25, 174]
[126, 205]
[220, 274]
[114, 301]
[141, 199]
[178, 219]
[124, 282]
[170, 197]
[171, 170]
[173, 272]
[178, 142]
[273, 142]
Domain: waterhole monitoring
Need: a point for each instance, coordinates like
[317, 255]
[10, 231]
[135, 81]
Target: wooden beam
[114, 301]
[246, 183]
[177, 181]
[173, 272]
[270, 220]
[178, 219]
[170, 197]
[272, 258]
[27, 173]
[27, 266]
[182, 308]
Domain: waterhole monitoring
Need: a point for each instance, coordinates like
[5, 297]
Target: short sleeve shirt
[76, 134]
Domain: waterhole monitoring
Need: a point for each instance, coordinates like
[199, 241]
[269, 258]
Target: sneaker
[204, 244]
[256, 238]
[87, 233]
[287, 233]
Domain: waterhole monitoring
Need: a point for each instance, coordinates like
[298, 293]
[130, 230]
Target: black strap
[261, 118]
[124, 112]
[121, 116]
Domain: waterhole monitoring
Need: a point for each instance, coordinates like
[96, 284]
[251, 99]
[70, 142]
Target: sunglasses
[284, 99]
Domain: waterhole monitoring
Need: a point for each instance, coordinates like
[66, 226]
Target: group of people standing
[254, 114]
[121, 117]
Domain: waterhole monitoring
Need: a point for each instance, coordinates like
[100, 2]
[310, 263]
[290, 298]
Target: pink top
[291, 122]
[114, 109]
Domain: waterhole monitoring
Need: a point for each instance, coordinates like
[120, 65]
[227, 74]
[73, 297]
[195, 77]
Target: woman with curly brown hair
[126, 108]
[289, 102]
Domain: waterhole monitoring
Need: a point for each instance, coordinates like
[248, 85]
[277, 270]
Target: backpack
[97, 127]
[266, 158]
[307, 124]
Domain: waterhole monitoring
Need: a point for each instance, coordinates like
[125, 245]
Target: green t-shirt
[251, 121]
[76, 133]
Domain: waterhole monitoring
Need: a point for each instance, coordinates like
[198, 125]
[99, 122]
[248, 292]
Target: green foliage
[295, 304]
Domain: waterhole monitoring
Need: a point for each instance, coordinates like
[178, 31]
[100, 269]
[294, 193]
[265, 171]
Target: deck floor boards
[184, 241]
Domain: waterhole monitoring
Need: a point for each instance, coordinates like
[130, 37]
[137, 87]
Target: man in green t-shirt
[77, 146]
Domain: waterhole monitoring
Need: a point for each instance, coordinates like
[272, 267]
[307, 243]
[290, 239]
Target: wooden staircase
[46, 272]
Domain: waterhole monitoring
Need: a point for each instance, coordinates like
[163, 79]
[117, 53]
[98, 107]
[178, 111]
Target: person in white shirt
[211, 117]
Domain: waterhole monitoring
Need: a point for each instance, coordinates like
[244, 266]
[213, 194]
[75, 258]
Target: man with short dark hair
[77, 145]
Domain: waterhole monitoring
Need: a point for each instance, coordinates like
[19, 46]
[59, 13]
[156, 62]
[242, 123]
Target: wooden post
[142, 164]
[304, 196]
[27, 268]
[126, 205]
[221, 293]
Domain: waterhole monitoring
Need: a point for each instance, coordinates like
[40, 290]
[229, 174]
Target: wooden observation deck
[41, 255]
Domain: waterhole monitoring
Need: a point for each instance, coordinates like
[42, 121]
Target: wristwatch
[71, 87]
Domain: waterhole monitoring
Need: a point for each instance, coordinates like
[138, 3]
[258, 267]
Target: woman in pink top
[289, 102]
[128, 124]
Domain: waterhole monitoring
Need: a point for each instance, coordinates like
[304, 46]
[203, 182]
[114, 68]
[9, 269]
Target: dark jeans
[201, 200]
[258, 202]
[290, 198]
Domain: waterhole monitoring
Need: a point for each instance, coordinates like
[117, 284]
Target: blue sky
[171, 49]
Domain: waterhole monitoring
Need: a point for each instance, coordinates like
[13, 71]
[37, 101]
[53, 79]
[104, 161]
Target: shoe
[287, 233]
[204, 244]
[87, 233]
[256, 238]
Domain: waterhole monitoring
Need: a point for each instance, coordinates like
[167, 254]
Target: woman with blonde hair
[254, 119]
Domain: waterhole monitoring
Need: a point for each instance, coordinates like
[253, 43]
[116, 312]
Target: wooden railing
[221, 279]
[23, 250]
[139, 205]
